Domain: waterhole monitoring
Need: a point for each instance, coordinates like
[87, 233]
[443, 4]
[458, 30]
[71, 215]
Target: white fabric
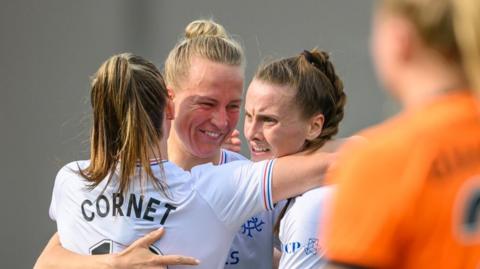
[300, 244]
[201, 214]
[252, 245]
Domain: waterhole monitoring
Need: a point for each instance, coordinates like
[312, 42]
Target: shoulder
[72, 168]
[230, 156]
[317, 194]
[210, 171]
[68, 178]
[393, 138]
[309, 204]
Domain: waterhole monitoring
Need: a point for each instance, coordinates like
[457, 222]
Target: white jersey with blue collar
[201, 213]
[253, 245]
[300, 245]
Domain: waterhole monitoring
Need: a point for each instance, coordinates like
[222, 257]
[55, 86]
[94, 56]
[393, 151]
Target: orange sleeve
[362, 223]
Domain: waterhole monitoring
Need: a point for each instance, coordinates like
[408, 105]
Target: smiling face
[207, 106]
[273, 123]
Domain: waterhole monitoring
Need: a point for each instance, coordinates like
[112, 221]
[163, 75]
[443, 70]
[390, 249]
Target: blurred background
[50, 48]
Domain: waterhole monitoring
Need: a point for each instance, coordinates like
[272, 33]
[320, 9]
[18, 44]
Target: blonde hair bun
[204, 28]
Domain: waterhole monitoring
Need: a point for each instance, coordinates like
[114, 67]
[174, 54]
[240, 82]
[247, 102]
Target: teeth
[258, 149]
[212, 134]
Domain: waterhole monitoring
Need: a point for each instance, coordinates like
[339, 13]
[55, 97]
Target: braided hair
[318, 88]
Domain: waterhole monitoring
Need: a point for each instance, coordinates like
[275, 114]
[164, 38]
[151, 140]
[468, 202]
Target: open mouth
[211, 134]
[259, 149]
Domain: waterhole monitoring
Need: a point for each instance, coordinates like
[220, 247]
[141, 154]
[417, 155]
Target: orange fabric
[403, 198]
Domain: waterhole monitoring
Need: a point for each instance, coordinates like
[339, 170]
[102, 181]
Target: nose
[220, 119]
[251, 130]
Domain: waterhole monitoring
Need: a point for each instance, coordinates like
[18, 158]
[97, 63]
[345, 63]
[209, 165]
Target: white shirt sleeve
[63, 176]
[237, 190]
[56, 194]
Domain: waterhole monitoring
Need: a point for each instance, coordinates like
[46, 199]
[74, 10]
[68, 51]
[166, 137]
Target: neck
[161, 151]
[181, 157]
[427, 81]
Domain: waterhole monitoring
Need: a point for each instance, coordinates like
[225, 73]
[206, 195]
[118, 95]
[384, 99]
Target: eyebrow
[262, 115]
[199, 98]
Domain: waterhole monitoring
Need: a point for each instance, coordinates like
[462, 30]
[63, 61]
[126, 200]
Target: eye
[269, 120]
[206, 104]
[234, 107]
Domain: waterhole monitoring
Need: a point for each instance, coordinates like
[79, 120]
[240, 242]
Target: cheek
[246, 128]
[186, 121]
[233, 118]
[286, 142]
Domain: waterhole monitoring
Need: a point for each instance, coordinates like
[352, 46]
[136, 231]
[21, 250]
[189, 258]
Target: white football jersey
[299, 226]
[201, 212]
[252, 245]
[230, 156]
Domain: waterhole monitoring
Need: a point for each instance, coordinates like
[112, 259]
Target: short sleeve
[67, 172]
[57, 192]
[236, 190]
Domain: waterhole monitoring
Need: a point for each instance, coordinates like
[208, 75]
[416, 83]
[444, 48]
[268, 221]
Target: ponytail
[466, 21]
[128, 98]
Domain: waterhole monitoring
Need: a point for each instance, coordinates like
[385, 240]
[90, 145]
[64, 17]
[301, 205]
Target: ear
[315, 126]
[170, 109]
[170, 92]
[405, 39]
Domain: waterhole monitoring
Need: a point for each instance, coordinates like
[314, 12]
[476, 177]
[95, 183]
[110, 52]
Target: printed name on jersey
[252, 225]
[233, 258]
[310, 247]
[112, 205]
[455, 159]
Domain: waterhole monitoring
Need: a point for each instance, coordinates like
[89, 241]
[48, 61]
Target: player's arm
[298, 173]
[55, 256]
[135, 256]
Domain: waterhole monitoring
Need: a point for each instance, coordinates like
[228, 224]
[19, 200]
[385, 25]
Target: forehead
[263, 97]
[206, 77]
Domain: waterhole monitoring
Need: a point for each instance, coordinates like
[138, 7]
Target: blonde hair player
[410, 197]
[205, 70]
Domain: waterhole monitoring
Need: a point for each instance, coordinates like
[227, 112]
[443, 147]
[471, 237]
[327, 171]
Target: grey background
[50, 48]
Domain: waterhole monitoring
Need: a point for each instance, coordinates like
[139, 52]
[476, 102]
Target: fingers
[177, 260]
[235, 133]
[233, 142]
[149, 238]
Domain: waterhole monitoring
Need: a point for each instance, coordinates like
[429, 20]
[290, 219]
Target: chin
[256, 158]
[206, 153]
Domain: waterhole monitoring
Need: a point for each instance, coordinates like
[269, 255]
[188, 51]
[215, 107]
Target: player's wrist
[110, 261]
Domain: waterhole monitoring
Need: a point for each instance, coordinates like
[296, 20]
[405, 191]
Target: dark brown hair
[318, 90]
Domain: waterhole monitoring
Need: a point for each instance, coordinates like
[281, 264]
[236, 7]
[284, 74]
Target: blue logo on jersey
[291, 247]
[253, 224]
[312, 246]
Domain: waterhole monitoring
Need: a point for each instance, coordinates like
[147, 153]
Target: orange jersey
[410, 197]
